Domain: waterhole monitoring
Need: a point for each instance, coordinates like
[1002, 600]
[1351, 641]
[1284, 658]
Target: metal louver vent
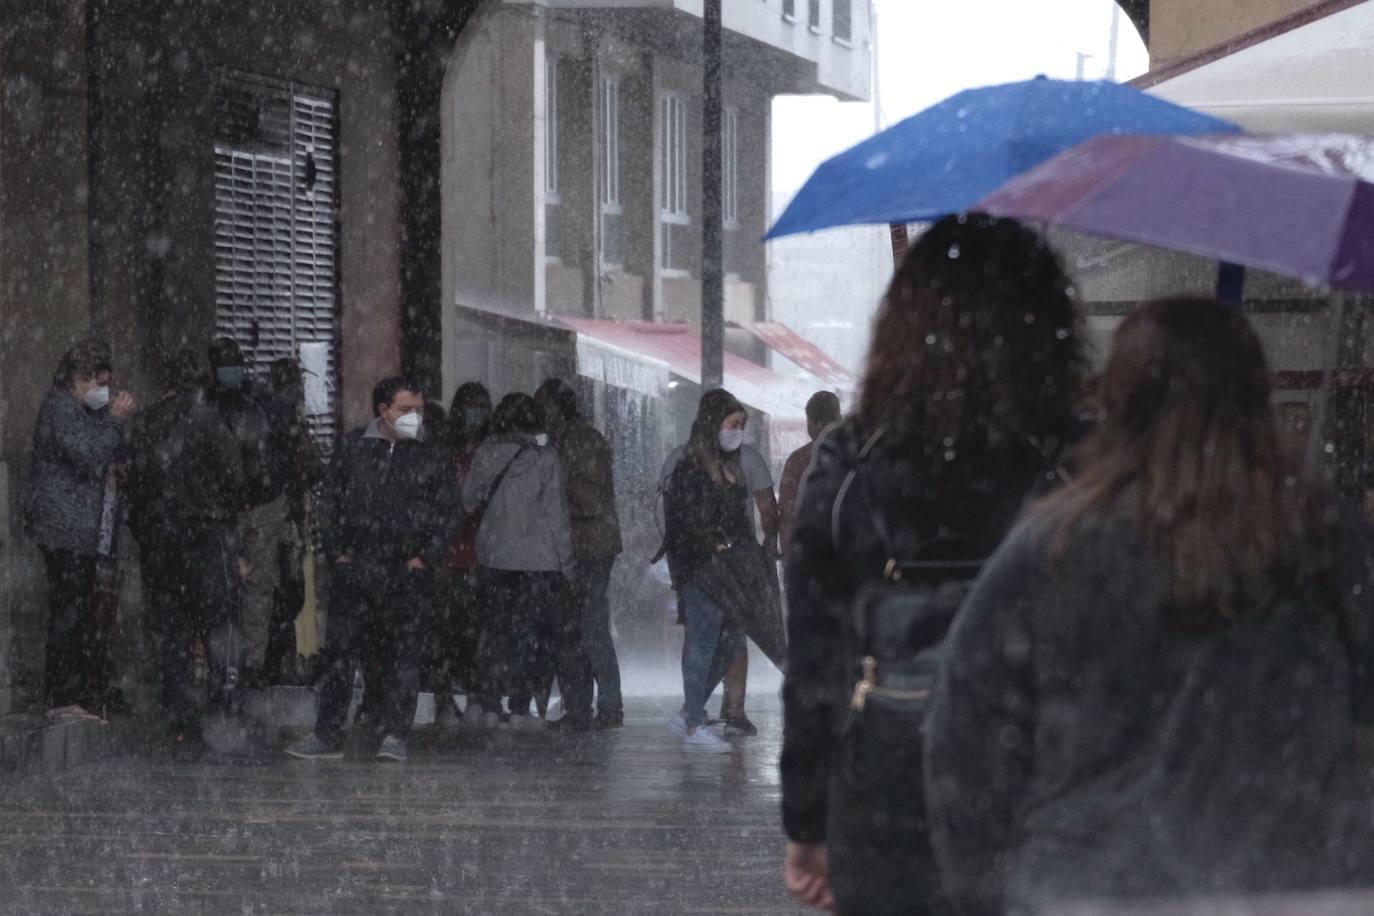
[276, 284]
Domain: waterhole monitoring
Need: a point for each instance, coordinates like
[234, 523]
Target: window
[673, 203]
[729, 167]
[813, 15]
[843, 20]
[552, 230]
[789, 9]
[275, 235]
[612, 215]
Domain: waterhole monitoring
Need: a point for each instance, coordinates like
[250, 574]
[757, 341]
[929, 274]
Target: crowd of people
[1047, 638]
[468, 552]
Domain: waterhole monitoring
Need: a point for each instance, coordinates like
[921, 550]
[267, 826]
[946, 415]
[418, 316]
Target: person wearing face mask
[527, 563]
[458, 621]
[270, 439]
[758, 482]
[385, 515]
[79, 429]
[705, 510]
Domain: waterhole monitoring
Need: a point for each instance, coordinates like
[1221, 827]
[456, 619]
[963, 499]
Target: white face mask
[731, 440]
[407, 425]
[541, 440]
[97, 397]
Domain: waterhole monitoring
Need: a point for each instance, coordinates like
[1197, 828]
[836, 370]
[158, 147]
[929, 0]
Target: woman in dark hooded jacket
[1157, 686]
[969, 394]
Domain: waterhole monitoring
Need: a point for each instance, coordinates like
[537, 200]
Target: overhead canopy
[1315, 77]
[642, 354]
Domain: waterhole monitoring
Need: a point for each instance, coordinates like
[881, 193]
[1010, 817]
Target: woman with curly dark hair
[969, 397]
[1158, 685]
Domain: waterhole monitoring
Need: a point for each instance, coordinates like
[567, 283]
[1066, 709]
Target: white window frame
[729, 167]
[551, 130]
[846, 40]
[672, 205]
[789, 10]
[610, 157]
[813, 15]
[673, 137]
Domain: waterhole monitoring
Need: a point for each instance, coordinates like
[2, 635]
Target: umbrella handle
[901, 243]
[1230, 282]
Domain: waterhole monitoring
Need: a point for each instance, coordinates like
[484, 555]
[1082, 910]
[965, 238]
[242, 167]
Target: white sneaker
[705, 741]
[678, 725]
[526, 723]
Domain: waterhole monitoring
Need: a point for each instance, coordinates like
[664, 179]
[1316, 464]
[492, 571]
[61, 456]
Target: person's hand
[344, 559]
[806, 874]
[123, 405]
[415, 564]
[244, 568]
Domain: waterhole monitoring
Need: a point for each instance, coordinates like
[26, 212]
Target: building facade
[173, 171]
[572, 204]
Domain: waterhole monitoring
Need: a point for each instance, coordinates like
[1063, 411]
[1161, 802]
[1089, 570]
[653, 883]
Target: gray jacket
[526, 526]
[72, 447]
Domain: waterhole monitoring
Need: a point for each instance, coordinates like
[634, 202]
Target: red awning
[676, 348]
[787, 342]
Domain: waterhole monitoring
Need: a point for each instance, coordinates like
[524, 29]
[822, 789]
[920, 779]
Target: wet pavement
[620, 822]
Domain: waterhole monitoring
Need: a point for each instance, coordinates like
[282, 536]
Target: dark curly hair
[977, 345]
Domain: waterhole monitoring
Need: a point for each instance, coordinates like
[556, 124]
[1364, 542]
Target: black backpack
[898, 622]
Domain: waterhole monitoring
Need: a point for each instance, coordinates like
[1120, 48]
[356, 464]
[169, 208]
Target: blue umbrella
[953, 154]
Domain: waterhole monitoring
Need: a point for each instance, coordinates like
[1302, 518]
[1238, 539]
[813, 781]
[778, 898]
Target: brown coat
[590, 485]
[789, 491]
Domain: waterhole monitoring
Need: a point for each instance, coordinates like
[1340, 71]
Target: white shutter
[275, 235]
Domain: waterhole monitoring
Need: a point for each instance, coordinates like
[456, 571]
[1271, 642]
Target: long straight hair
[1188, 440]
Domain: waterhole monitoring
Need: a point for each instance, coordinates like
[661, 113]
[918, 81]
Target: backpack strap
[496, 482]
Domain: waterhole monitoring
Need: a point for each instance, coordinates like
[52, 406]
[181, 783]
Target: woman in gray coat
[1160, 683]
[79, 429]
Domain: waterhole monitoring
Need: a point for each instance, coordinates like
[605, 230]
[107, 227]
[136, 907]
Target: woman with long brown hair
[705, 513]
[1155, 687]
[969, 396]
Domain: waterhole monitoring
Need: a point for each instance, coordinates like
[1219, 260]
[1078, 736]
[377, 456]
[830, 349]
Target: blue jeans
[712, 642]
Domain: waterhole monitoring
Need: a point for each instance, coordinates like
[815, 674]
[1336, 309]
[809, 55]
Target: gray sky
[931, 49]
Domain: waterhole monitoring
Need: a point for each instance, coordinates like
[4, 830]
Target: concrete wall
[1182, 28]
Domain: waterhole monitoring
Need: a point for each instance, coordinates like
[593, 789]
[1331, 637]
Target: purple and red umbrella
[1295, 205]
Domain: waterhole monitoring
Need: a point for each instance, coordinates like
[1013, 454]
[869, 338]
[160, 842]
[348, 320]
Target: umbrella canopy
[1291, 204]
[947, 157]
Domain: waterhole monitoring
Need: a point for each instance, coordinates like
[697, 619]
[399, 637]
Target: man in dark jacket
[268, 442]
[186, 490]
[589, 482]
[388, 503]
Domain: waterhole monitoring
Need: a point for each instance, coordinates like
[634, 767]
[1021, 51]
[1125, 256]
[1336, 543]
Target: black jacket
[185, 470]
[699, 517]
[387, 502]
[1081, 745]
[977, 497]
[265, 429]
